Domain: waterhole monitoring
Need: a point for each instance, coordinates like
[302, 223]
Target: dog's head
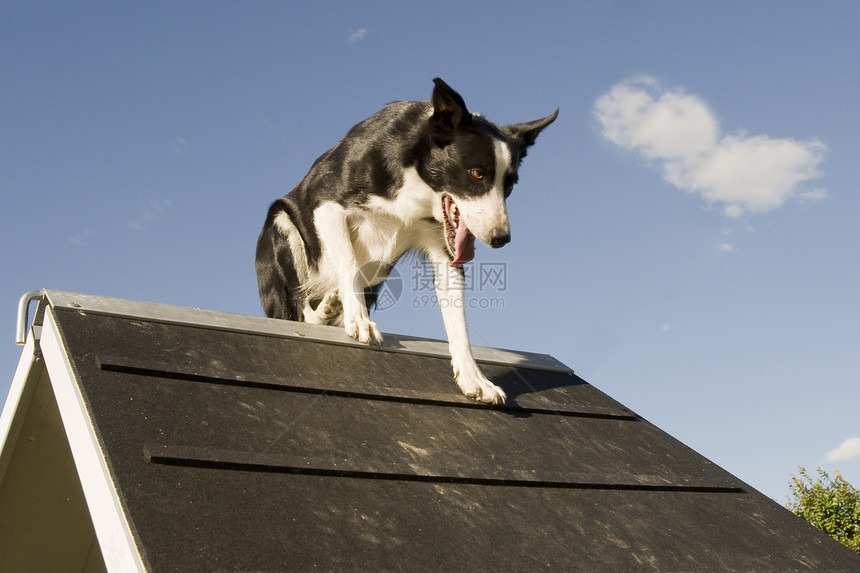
[473, 165]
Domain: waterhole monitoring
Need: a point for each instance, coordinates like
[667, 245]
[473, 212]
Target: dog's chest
[389, 226]
[381, 237]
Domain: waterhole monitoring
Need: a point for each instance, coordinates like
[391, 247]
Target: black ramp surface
[236, 451]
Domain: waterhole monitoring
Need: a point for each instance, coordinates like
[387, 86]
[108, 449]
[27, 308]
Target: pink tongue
[464, 241]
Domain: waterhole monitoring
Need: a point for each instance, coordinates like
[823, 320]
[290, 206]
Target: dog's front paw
[476, 385]
[362, 329]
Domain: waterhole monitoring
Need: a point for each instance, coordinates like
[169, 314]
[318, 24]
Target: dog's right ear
[449, 112]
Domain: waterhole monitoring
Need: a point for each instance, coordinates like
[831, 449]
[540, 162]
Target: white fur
[503, 162]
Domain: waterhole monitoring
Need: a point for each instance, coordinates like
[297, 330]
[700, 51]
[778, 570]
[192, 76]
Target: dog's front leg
[450, 287]
[333, 227]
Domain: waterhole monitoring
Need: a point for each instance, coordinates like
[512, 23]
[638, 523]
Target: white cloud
[848, 451]
[152, 211]
[813, 195]
[358, 35]
[178, 145]
[82, 238]
[741, 173]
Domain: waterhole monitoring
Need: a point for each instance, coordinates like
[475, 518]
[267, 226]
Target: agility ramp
[146, 437]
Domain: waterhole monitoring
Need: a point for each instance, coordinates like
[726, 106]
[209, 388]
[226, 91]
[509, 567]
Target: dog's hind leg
[326, 312]
[276, 276]
[450, 287]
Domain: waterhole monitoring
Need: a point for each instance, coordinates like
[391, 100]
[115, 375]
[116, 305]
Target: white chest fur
[380, 231]
[386, 228]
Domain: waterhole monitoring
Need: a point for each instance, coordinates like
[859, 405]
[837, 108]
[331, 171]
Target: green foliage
[830, 504]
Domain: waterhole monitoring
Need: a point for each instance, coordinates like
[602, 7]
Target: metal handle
[23, 311]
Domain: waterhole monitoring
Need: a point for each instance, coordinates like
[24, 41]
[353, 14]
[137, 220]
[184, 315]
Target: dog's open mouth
[458, 238]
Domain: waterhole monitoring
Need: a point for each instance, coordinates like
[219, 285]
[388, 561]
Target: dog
[418, 176]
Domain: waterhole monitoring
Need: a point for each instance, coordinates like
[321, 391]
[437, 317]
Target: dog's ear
[449, 111]
[525, 134]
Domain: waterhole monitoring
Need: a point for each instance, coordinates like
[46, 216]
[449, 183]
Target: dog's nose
[500, 240]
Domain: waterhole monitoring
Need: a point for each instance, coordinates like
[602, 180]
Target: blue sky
[685, 236]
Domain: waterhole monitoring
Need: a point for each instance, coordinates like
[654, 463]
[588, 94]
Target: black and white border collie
[423, 176]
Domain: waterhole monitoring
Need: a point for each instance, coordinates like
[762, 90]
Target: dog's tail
[276, 272]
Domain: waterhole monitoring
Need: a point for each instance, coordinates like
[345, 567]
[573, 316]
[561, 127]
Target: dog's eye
[477, 174]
